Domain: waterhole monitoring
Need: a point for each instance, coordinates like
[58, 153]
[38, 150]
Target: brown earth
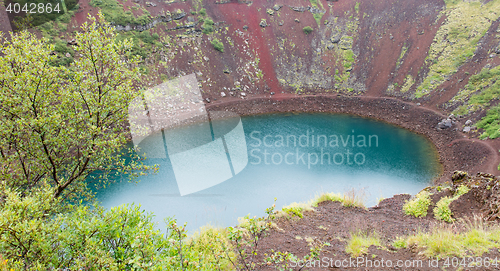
[334, 223]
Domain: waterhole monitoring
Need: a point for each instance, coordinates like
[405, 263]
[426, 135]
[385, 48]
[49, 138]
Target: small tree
[307, 30]
[61, 124]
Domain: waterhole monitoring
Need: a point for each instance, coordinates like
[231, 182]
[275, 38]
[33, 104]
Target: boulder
[263, 23]
[468, 122]
[445, 124]
[300, 9]
[179, 15]
[223, 94]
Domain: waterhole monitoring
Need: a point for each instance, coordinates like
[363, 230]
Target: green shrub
[218, 45]
[208, 26]
[442, 210]
[294, 211]
[62, 48]
[307, 30]
[209, 21]
[418, 206]
[207, 29]
[203, 12]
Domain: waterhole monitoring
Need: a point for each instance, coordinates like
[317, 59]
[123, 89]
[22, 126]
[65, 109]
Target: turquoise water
[283, 161]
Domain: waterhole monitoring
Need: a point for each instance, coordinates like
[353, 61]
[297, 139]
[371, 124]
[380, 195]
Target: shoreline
[473, 157]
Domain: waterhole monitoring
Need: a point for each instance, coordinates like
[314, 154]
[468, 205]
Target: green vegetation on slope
[418, 206]
[359, 243]
[218, 45]
[351, 198]
[482, 89]
[450, 240]
[35, 234]
[114, 13]
[456, 40]
[442, 210]
[318, 5]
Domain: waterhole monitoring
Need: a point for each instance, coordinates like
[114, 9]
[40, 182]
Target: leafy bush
[218, 45]
[209, 21]
[307, 30]
[203, 12]
[208, 26]
[208, 29]
[418, 206]
[442, 210]
[83, 238]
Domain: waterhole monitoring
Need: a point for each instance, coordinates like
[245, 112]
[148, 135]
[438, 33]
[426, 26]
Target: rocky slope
[443, 55]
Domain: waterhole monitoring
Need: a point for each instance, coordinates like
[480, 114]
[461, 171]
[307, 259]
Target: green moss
[490, 123]
[113, 12]
[482, 89]
[407, 84]
[456, 40]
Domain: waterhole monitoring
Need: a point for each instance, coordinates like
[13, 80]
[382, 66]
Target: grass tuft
[447, 240]
[360, 242]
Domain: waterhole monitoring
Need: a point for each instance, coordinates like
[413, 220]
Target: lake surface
[291, 157]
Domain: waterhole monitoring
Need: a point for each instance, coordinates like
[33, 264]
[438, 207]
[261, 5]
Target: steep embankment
[441, 55]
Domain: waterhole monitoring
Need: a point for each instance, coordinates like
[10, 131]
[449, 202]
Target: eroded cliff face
[441, 54]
